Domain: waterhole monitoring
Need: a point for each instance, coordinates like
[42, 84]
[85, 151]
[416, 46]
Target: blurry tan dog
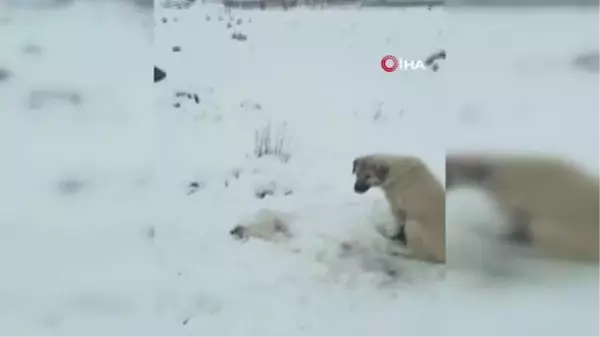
[552, 204]
[416, 198]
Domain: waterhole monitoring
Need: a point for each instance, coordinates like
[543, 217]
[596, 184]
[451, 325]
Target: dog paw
[391, 231]
[400, 236]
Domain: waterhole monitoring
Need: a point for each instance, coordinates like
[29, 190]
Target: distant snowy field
[100, 232]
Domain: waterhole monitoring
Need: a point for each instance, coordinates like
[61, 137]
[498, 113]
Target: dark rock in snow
[432, 60]
[193, 187]
[263, 193]
[4, 74]
[589, 61]
[70, 186]
[186, 95]
[32, 49]
[150, 232]
[176, 49]
[40, 98]
[177, 4]
[248, 104]
[439, 55]
[239, 36]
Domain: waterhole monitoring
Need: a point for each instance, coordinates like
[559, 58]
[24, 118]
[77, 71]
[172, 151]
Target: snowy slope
[135, 250]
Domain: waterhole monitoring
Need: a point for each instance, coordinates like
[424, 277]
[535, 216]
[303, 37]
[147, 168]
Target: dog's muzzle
[361, 188]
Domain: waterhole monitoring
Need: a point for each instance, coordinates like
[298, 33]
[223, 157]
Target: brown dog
[416, 198]
[553, 205]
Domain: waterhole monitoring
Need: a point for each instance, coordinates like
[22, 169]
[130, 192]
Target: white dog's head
[380, 170]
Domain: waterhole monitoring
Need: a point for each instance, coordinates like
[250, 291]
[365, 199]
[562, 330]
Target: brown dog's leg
[396, 232]
[400, 236]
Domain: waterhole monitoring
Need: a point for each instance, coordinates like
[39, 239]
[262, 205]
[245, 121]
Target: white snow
[136, 251]
[78, 263]
[517, 71]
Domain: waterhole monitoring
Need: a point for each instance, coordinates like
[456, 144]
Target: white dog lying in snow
[265, 224]
[361, 253]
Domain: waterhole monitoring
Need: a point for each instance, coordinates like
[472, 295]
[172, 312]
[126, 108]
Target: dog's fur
[416, 198]
[265, 225]
[553, 205]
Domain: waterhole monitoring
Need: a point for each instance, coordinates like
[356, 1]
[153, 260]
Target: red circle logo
[389, 63]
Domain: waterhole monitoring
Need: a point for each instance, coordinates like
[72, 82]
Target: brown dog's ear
[381, 171]
[354, 164]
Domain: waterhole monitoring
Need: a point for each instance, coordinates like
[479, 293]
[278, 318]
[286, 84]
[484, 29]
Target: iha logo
[390, 63]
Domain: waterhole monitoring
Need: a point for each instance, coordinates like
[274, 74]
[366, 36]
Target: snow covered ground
[103, 232]
[76, 126]
[316, 75]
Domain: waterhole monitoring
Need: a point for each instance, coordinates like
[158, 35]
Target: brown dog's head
[369, 173]
[467, 170]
